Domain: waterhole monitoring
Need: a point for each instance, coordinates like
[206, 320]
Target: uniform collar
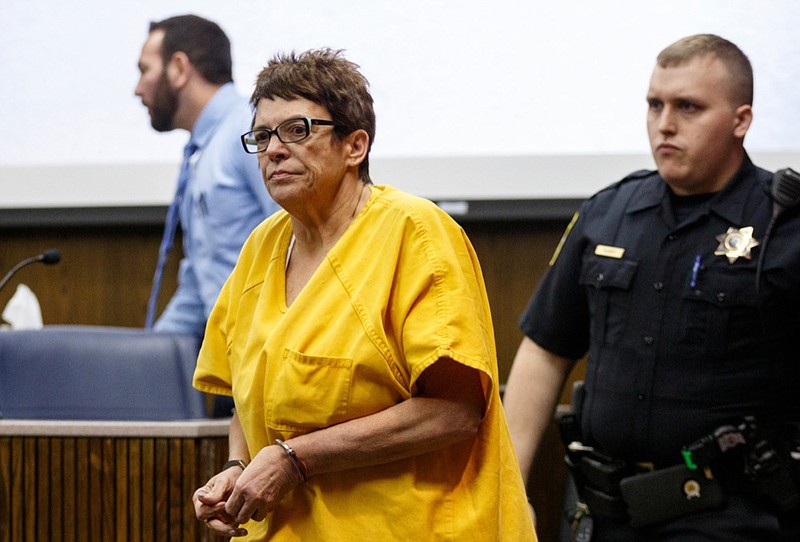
[213, 113]
[729, 202]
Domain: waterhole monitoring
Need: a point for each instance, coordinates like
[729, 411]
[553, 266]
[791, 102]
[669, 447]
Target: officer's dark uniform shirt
[674, 352]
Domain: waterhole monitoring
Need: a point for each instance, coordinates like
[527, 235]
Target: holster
[596, 476]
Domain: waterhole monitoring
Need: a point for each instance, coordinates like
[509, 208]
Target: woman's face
[307, 172]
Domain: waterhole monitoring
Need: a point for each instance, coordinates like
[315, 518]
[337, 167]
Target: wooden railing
[105, 481]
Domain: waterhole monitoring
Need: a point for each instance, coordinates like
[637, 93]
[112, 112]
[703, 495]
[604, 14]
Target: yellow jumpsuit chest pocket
[309, 392]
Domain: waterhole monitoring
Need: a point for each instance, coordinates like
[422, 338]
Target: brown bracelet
[233, 463]
[299, 466]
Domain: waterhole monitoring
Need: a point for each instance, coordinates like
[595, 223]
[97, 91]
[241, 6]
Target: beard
[165, 103]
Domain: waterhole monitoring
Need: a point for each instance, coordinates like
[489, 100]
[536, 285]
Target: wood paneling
[103, 278]
[104, 489]
[513, 258]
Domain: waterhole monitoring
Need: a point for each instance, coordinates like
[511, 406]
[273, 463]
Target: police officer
[682, 284]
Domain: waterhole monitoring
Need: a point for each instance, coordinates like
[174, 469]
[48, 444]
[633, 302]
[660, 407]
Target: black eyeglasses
[289, 131]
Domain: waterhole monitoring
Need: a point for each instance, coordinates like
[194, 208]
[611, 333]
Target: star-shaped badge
[736, 243]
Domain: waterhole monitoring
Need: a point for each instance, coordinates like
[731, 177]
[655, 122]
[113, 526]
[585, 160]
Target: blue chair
[98, 373]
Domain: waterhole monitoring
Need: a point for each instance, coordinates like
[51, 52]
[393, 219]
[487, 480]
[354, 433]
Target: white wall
[477, 100]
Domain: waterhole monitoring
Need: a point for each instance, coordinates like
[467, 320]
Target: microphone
[785, 190]
[47, 257]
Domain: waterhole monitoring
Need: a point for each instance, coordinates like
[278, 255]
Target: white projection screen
[502, 100]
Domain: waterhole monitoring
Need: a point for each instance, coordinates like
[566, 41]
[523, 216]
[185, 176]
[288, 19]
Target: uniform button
[672, 237]
[640, 397]
[658, 286]
[600, 277]
[721, 297]
[648, 340]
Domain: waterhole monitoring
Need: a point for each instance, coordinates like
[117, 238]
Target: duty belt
[741, 457]
[639, 494]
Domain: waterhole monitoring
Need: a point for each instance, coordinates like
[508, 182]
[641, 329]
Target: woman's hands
[210, 500]
[268, 478]
[233, 496]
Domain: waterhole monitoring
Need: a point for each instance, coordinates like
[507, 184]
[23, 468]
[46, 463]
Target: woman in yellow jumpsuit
[355, 337]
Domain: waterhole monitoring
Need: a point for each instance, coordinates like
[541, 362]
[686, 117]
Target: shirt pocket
[719, 341]
[720, 312]
[608, 282]
[309, 392]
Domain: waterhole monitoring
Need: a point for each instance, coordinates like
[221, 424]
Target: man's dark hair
[203, 41]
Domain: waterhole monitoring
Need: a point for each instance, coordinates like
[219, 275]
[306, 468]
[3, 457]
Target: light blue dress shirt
[224, 200]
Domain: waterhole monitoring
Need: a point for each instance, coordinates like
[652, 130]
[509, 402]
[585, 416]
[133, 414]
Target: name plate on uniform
[609, 251]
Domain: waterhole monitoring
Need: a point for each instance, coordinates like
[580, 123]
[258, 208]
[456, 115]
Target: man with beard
[186, 82]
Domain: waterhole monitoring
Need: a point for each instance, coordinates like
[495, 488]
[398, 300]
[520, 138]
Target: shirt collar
[213, 113]
[729, 202]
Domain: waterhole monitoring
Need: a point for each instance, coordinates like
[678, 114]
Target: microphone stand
[48, 257]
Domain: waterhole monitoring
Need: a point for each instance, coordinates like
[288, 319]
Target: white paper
[23, 310]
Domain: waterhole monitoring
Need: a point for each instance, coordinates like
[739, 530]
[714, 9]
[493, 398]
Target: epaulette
[638, 174]
[635, 176]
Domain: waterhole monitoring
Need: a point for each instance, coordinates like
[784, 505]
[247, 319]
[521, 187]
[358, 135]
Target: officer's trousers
[742, 520]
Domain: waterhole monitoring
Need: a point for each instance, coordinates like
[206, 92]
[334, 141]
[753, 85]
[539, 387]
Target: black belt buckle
[603, 472]
[605, 506]
[669, 493]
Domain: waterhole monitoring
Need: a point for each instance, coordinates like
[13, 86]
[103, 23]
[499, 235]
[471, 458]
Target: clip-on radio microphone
[785, 192]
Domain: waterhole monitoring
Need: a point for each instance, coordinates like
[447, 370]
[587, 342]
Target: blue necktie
[170, 227]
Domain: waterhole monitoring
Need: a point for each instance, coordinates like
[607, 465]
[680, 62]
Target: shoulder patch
[563, 239]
